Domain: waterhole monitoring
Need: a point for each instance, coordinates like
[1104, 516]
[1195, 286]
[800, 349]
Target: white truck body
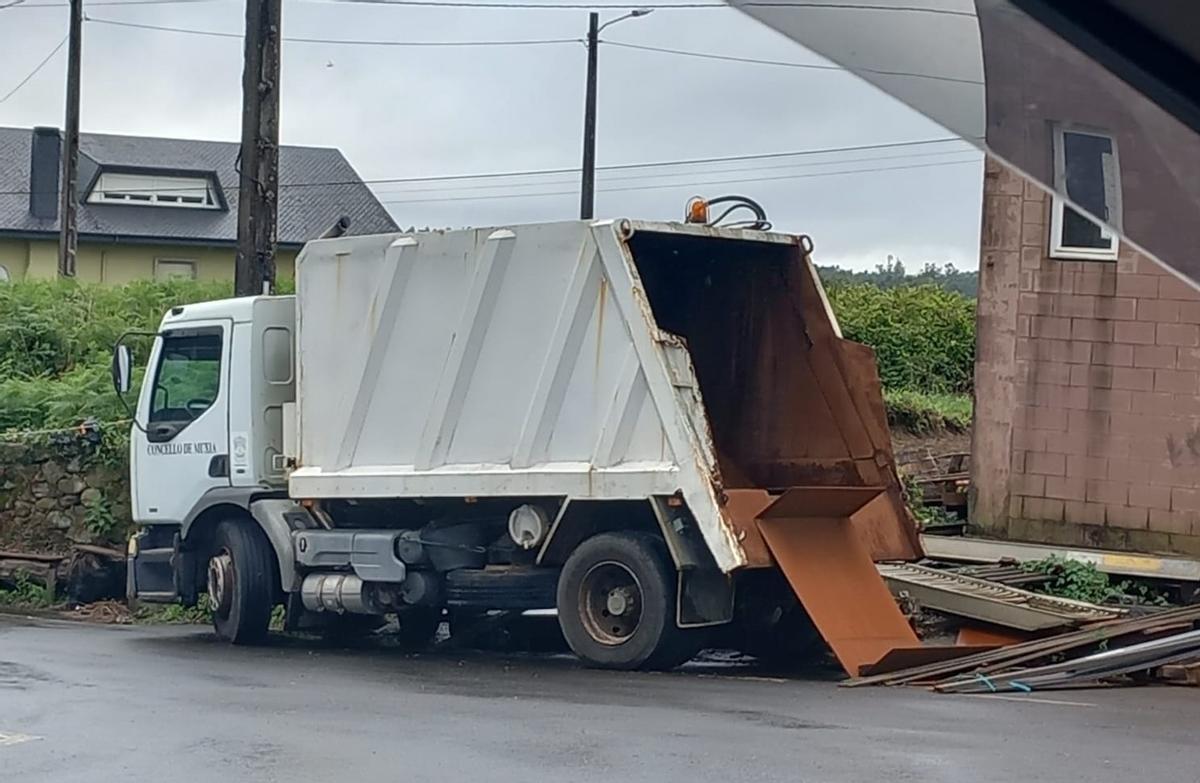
[498, 362]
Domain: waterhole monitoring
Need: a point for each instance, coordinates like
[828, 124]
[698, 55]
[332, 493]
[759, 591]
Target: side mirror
[122, 364]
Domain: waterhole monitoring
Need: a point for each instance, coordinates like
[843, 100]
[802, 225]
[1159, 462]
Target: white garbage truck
[580, 416]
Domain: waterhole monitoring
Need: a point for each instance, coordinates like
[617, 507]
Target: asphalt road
[103, 703]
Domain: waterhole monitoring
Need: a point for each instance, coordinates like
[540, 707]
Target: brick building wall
[1087, 428]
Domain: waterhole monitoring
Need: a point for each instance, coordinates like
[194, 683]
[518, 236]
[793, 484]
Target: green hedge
[923, 335]
[56, 341]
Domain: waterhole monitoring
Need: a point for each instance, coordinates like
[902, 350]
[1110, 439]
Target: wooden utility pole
[258, 186]
[68, 234]
[587, 190]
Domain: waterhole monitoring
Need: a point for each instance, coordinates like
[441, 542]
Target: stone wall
[54, 495]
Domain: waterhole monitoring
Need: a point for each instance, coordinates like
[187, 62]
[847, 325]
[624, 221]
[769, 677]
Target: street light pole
[587, 189]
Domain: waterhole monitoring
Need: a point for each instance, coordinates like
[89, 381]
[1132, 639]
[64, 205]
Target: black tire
[242, 609]
[643, 634]
[418, 626]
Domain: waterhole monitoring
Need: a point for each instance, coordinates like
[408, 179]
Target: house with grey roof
[152, 208]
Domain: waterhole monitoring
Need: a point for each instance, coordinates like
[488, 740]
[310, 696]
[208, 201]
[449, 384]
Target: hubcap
[220, 582]
[610, 603]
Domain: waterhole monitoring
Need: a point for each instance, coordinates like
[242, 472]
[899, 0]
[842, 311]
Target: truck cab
[208, 438]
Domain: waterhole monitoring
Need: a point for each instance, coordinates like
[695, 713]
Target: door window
[187, 379]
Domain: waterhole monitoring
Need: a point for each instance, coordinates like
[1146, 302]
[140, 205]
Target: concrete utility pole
[258, 186]
[587, 195]
[68, 233]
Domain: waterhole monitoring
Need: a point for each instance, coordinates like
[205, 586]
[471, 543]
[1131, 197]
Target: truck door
[184, 407]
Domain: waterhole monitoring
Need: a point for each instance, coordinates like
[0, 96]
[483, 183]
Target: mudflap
[811, 538]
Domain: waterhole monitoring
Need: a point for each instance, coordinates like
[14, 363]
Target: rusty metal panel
[986, 634]
[809, 533]
[741, 510]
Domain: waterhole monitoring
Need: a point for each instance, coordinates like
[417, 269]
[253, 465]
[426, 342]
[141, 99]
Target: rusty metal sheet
[820, 502]
[809, 533]
[742, 507]
[985, 633]
[901, 658]
[883, 528]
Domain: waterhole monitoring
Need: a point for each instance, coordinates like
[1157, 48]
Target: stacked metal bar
[1136, 644]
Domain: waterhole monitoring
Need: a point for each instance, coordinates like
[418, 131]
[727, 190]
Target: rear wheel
[241, 582]
[616, 604]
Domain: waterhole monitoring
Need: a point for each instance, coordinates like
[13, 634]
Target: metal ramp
[991, 602]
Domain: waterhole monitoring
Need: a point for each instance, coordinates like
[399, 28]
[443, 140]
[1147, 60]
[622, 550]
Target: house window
[1085, 168]
[154, 190]
[174, 269]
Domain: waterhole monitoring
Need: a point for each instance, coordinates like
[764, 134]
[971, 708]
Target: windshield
[188, 377]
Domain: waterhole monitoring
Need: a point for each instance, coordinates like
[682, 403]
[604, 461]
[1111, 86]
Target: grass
[175, 614]
[924, 413]
[26, 594]
[200, 614]
[1084, 582]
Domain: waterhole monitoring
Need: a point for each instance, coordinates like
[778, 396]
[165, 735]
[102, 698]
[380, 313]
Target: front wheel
[241, 581]
[616, 603]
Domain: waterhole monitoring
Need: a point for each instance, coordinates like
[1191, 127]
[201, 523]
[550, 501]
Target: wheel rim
[610, 603]
[220, 582]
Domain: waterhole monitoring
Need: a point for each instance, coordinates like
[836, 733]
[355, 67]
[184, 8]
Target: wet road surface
[115, 703]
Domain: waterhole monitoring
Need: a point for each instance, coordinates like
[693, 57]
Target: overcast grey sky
[432, 111]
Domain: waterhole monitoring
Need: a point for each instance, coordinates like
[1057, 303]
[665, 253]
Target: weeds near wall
[1084, 582]
[99, 518]
[26, 594]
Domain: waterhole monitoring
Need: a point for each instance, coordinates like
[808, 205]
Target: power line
[683, 184]
[918, 9]
[35, 70]
[117, 3]
[513, 4]
[528, 42]
[611, 167]
[642, 177]
[335, 41]
[786, 64]
[529, 6]
[665, 163]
